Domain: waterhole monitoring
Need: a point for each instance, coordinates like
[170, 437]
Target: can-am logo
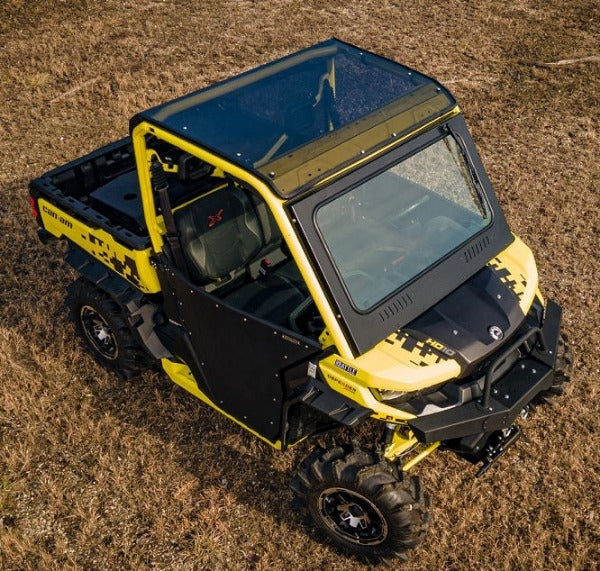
[56, 216]
[496, 333]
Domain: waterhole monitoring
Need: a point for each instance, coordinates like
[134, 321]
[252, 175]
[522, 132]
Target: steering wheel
[392, 256]
[305, 319]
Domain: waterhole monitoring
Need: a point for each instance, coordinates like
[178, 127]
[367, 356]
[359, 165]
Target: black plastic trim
[43, 187]
[321, 397]
[102, 277]
[511, 393]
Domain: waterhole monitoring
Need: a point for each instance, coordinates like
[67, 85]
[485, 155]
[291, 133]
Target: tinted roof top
[293, 114]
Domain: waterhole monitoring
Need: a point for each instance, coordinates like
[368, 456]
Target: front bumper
[506, 398]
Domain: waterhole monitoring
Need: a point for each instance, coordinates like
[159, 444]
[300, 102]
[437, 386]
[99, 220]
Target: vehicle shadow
[214, 450]
[211, 448]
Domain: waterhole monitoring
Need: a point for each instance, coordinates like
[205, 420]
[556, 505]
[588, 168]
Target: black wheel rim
[352, 516]
[99, 333]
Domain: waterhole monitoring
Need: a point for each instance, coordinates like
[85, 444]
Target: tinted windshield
[386, 231]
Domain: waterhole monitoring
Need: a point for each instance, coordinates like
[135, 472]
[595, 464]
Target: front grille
[396, 306]
[475, 249]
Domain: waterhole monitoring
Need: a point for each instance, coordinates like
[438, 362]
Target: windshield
[386, 231]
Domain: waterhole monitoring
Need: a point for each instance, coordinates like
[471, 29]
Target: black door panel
[239, 357]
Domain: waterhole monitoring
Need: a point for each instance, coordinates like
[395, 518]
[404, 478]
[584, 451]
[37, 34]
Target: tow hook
[497, 446]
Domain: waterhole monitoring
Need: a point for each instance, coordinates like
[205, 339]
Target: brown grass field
[100, 474]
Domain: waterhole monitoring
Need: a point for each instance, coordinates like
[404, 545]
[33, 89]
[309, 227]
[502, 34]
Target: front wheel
[101, 323]
[361, 503]
[562, 372]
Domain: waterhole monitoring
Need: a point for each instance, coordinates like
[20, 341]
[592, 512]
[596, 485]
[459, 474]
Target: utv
[305, 246]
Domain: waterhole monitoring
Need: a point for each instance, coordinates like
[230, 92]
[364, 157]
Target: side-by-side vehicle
[306, 246]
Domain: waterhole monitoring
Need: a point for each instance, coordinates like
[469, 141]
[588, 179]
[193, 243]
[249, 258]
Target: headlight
[398, 397]
[385, 395]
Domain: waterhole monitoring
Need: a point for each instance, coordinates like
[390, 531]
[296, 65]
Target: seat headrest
[220, 233]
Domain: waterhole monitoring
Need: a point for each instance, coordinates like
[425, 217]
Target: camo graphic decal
[421, 353]
[125, 267]
[515, 282]
[133, 265]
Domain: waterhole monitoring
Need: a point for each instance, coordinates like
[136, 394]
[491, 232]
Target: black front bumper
[507, 397]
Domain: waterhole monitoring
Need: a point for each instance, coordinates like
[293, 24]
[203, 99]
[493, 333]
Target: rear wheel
[362, 504]
[102, 325]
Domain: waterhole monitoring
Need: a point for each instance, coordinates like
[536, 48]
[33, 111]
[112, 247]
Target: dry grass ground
[100, 474]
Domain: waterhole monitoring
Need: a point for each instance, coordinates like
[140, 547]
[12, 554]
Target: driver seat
[221, 235]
